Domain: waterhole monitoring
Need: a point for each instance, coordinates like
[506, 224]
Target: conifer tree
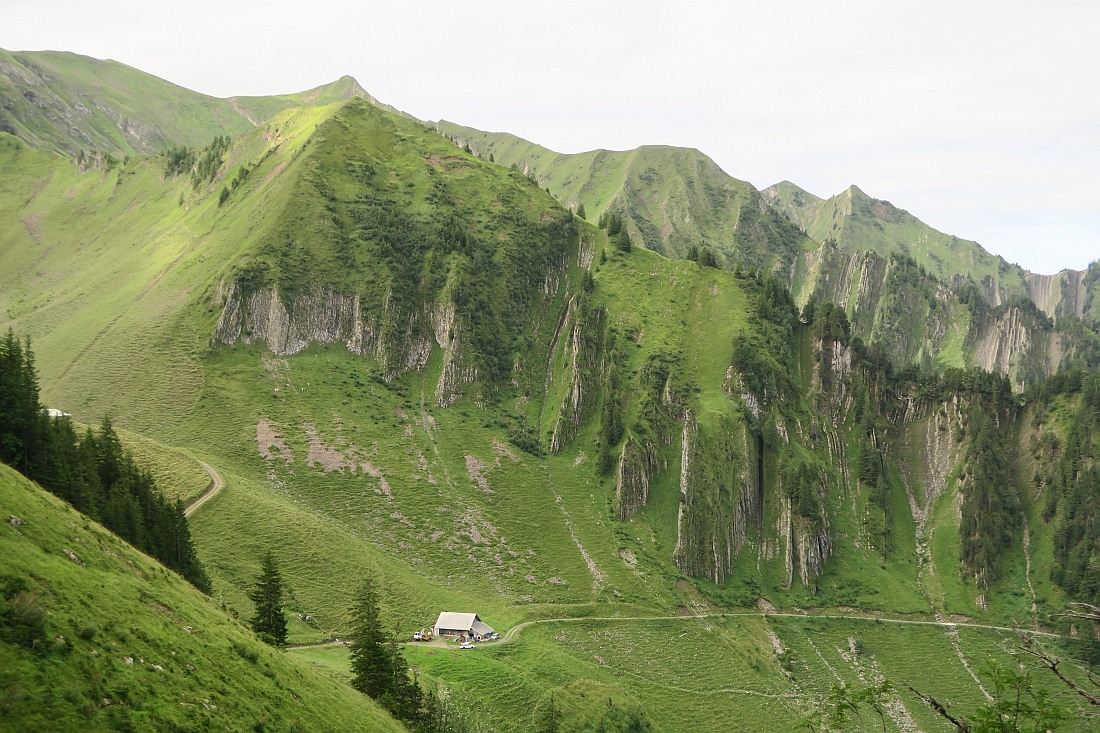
[269, 621]
[371, 662]
[549, 721]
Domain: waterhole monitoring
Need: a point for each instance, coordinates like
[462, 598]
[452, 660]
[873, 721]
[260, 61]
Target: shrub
[22, 615]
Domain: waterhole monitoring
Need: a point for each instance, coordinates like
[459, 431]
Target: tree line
[89, 470]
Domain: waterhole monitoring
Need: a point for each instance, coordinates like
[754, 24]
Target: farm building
[466, 625]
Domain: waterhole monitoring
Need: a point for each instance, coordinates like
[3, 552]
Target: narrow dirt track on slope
[512, 633]
[216, 485]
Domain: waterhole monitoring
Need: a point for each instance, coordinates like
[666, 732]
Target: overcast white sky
[981, 118]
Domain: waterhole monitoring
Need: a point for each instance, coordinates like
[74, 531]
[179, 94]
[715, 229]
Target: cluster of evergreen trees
[378, 667]
[380, 670]
[1074, 499]
[616, 231]
[91, 470]
[202, 166]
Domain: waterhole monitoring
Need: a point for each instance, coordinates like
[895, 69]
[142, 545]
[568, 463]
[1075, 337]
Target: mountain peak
[786, 189]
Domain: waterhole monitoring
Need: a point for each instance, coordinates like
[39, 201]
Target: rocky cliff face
[1065, 293]
[582, 352]
[1016, 342]
[915, 319]
[320, 316]
[324, 317]
[720, 502]
[638, 461]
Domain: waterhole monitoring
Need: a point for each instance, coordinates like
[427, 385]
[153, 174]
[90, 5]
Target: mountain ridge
[408, 362]
[69, 103]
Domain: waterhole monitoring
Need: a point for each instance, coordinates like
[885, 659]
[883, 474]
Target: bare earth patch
[267, 438]
[274, 172]
[374, 472]
[30, 223]
[330, 458]
[422, 468]
[440, 163]
[501, 450]
[474, 467]
[326, 456]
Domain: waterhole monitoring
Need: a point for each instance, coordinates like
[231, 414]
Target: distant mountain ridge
[672, 199]
[68, 103]
[901, 282]
[856, 222]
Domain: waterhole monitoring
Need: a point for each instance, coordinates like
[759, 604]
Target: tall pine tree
[269, 621]
[372, 665]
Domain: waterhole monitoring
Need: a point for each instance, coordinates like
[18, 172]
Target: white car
[466, 645]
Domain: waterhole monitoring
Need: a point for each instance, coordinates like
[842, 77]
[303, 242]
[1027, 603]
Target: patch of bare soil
[274, 172]
[440, 163]
[501, 450]
[474, 467]
[326, 456]
[374, 472]
[30, 223]
[268, 438]
[330, 458]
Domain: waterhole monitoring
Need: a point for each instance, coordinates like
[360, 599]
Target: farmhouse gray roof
[462, 622]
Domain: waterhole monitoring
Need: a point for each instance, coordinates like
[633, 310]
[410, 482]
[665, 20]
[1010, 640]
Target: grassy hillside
[97, 636]
[67, 103]
[408, 362]
[764, 671]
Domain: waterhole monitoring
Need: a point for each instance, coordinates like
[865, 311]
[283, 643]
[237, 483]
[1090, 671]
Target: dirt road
[216, 485]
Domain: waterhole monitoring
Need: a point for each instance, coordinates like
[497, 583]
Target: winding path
[216, 485]
[513, 632]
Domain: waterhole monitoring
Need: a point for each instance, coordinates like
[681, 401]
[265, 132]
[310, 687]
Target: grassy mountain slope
[346, 405]
[69, 103]
[110, 640]
[857, 223]
[672, 198]
[908, 289]
[408, 362]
